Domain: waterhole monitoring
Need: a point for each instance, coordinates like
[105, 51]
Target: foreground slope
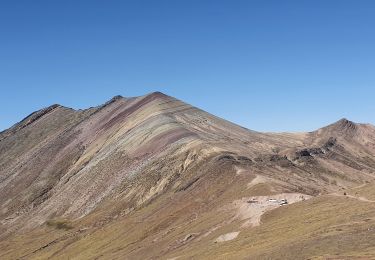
[153, 177]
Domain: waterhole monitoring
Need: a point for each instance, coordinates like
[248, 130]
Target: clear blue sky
[267, 65]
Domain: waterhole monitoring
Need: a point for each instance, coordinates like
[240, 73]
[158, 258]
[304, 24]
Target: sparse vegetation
[59, 224]
[145, 180]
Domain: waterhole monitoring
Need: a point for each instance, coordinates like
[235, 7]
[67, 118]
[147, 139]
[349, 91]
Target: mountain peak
[113, 100]
[117, 97]
[158, 94]
[342, 127]
[133, 165]
[28, 120]
[345, 124]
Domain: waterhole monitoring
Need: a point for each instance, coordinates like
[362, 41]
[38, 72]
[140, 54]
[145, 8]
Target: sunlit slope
[153, 177]
[325, 226]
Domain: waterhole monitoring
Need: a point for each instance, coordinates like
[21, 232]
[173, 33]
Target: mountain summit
[153, 177]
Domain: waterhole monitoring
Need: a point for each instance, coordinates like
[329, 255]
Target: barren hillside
[152, 177]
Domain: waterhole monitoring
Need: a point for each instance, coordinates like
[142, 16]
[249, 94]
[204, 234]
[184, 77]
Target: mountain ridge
[339, 123]
[156, 158]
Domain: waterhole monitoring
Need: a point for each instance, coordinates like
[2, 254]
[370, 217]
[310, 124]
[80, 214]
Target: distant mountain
[152, 177]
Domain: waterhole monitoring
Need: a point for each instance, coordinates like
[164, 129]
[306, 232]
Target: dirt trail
[353, 197]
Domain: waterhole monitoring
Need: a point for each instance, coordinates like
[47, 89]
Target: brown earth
[152, 177]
